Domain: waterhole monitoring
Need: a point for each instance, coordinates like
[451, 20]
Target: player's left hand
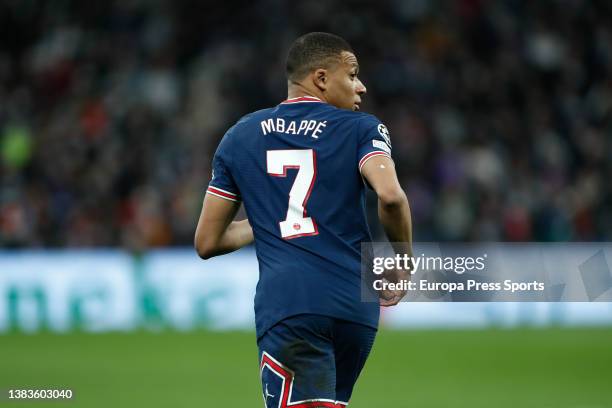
[393, 297]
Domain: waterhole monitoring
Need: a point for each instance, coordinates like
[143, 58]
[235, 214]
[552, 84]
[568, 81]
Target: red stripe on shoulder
[223, 193]
[370, 155]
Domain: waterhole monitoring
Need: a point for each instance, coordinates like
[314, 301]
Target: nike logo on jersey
[303, 127]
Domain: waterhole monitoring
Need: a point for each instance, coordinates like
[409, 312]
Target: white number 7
[296, 224]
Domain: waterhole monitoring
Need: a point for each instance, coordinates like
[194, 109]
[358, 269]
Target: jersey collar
[302, 99]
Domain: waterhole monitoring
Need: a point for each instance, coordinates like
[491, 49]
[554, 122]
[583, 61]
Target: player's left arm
[217, 233]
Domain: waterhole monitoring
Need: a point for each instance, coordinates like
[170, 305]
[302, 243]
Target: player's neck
[298, 90]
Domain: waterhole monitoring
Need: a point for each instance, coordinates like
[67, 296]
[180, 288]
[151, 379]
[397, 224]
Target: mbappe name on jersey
[303, 127]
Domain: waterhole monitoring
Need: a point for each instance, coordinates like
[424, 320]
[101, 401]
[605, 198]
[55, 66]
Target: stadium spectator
[501, 112]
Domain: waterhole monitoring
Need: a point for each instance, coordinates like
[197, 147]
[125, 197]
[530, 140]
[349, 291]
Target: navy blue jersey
[297, 167]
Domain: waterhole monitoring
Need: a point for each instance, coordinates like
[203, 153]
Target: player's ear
[320, 78]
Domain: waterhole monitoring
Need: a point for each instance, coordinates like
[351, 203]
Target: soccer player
[301, 170]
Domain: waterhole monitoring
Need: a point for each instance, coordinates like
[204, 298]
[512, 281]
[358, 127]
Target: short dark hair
[312, 51]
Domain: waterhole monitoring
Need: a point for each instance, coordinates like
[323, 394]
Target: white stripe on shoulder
[221, 196]
[224, 191]
[368, 156]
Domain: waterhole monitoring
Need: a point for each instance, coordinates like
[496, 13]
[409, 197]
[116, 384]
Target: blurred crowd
[500, 112]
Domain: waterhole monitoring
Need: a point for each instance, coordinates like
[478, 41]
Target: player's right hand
[389, 297]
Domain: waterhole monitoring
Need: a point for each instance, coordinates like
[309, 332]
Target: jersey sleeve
[374, 140]
[222, 183]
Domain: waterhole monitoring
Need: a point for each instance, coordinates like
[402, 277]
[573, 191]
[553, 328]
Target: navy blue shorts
[312, 361]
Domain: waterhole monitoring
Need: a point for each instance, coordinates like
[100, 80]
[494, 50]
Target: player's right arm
[394, 215]
[378, 169]
[393, 207]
